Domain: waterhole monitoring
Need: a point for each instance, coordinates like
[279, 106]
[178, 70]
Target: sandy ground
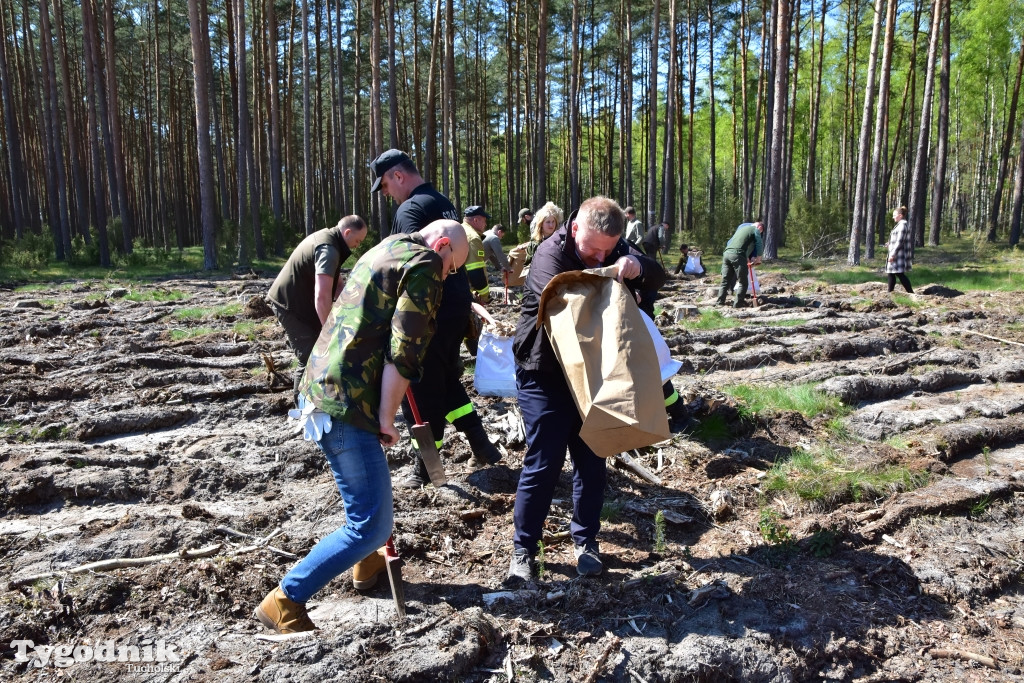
[119, 441]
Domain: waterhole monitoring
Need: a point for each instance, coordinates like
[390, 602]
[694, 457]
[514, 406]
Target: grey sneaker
[588, 559]
[521, 569]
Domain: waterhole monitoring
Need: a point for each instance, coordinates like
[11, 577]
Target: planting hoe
[394, 565]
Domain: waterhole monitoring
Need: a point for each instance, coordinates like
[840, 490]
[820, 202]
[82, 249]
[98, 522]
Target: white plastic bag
[753, 286]
[495, 366]
[669, 366]
[693, 266]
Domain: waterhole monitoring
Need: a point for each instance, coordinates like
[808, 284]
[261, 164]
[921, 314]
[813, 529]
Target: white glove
[314, 422]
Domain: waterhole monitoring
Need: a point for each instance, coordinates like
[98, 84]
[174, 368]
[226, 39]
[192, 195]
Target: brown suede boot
[366, 571]
[280, 614]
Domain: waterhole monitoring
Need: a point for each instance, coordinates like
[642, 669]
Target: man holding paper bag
[592, 238]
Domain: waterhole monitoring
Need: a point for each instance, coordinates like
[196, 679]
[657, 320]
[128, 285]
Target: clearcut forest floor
[146, 421]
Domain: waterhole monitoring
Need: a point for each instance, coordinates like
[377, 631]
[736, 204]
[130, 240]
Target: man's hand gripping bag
[608, 358]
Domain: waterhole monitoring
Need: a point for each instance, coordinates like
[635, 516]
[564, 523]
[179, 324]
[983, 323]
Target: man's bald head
[447, 238]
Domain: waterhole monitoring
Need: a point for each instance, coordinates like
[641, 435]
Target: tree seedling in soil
[660, 544]
[772, 530]
[981, 507]
[541, 560]
[986, 455]
[823, 543]
[611, 510]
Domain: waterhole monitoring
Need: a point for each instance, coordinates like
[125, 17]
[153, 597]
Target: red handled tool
[753, 282]
[394, 566]
[424, 437]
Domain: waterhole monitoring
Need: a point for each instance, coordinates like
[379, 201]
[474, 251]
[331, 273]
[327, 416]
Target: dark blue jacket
[555, 255]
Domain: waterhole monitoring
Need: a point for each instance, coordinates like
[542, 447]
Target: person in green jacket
[745, 246]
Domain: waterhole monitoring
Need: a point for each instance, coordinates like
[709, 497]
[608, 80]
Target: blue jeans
[361, 472]
[553, 426]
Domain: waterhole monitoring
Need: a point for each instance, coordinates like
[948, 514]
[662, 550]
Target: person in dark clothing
[302, 293]
[591, 238]
[745, 246]
[656, 240]
[439, 395]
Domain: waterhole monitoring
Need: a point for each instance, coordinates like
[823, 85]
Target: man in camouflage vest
[372, 344]
[304, 290]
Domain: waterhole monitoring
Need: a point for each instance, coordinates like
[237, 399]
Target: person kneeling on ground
[372, 345]
[684, 257]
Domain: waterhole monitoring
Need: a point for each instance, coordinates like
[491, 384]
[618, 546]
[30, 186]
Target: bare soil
[120, 442]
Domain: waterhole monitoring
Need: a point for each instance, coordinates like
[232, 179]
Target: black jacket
[555, 255]
[424, 206]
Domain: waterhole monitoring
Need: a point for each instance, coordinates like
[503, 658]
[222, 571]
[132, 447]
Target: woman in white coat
[901, 251]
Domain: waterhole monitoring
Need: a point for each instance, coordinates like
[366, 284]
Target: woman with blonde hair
[545, 222]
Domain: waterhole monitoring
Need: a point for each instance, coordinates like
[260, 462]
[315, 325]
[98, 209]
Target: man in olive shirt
[372, 344]
[304, 290]
[746, 243]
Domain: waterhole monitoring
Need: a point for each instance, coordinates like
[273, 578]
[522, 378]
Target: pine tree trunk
[80, 185]
[812, 135]
[712, 151]
[860, 196]
[939, 187]
[1004, 153]
[116, 137]
[881, 122]
[773, 226]
[15, 159]
[274, 95]
[666, 212]
[574, 108]
[540, 161]
[919, 185]
[199, 29]
[56, 182]
[652, 117]
[1018, 194]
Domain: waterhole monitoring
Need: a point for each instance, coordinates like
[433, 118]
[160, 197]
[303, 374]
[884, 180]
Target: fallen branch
[988, 336]
[599, 664]
[121, 563]
[939, 653]
[636, 468]
[260, 542]
[475, 513]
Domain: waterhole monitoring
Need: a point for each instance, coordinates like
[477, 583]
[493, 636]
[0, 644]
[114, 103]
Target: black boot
[419, 477]
[484, 452]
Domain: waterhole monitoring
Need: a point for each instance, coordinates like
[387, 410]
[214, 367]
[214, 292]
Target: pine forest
[240, 125]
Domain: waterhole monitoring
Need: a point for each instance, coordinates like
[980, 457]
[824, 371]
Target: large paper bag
[608, 358]
[517, 260]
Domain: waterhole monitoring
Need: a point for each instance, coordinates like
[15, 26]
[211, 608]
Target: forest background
[135, 129]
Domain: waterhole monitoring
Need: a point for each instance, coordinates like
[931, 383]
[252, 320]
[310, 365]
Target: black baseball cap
[475, 210]
[384, 163]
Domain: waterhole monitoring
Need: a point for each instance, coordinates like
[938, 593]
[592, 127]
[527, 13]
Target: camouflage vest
[384, 314]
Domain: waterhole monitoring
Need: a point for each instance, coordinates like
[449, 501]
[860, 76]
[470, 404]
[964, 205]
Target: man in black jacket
[592, 238]
[439, 395]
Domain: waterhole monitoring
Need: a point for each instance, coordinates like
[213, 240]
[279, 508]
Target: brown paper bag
[608, 358]
[517, 260]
